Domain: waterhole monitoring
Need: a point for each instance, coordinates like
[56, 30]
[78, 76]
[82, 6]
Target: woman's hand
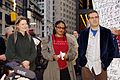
[65, 57]
[56, 57]
[26, 64]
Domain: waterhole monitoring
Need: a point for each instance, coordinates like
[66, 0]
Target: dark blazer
[106, 47]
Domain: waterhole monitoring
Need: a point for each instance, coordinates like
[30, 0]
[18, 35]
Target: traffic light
[13, 16]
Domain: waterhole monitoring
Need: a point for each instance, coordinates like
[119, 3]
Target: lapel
[102, 39]
[86, 36]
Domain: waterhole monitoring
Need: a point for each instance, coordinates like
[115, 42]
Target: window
[63, 4]
[42, 34]
[53, 13]
[0, 28]
[53, 7]
[0, 15]
[60, 3]
[53, 1]
[42, 10]
[60, 8]
[7, 4]
[7, 18]
[42, 27]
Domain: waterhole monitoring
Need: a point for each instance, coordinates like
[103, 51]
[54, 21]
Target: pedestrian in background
[59, 49]
[75, 33]
[8, 31]
[116, 39]
[77, 67]
[75, 36]
[96, 49]
[20, 45]
[39, 69]
[3, 40]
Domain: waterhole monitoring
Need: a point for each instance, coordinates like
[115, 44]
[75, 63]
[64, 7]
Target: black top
[2, 46]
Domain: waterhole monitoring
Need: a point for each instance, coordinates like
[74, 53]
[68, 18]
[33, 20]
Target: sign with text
[109, 12]
[114, 70]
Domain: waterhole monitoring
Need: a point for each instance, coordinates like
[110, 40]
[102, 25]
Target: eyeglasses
[94, 17]
[61, 28]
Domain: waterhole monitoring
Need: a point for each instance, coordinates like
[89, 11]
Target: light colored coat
[52, 71]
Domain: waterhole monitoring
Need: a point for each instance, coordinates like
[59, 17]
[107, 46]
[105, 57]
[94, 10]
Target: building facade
[6, 7]
[54, 10]
[46, 7]
[33, 12]
[42, 14]
[65, 10]
[10, 9]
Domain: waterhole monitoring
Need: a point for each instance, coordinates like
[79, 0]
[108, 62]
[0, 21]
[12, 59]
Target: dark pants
[2, 68]
[64, 74]
[1, 71]
[88, 75]
[39, 74]
[77, 70]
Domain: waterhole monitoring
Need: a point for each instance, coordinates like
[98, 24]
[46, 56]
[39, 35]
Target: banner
[114, 70]
[109, 12]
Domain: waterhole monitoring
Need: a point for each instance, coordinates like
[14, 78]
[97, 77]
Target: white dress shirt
[93, 52]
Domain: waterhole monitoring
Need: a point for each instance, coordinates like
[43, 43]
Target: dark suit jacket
[106, 47]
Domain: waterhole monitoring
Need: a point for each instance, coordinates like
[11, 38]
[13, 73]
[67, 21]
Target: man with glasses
[96, 48]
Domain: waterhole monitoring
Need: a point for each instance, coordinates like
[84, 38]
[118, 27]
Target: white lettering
[21, 72]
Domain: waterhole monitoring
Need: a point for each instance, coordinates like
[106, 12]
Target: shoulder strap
[15, 37]
[29, 37]
[38, 39]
